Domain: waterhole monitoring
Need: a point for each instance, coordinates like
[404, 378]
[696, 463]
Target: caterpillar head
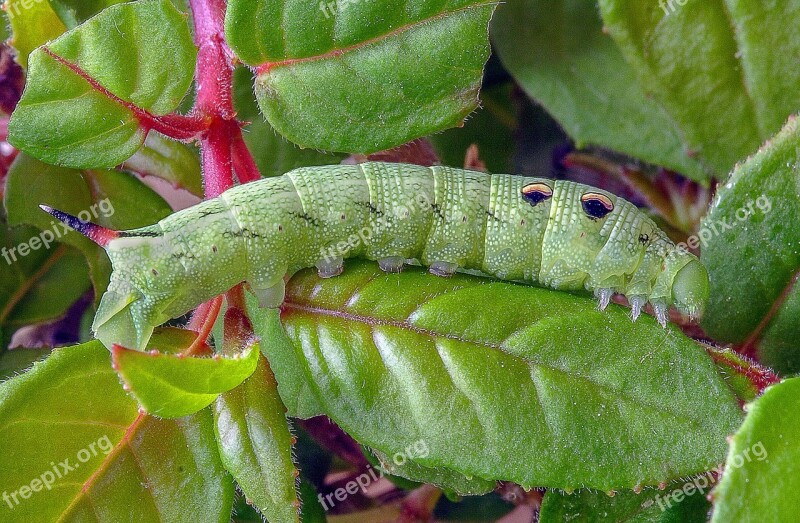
[690, 289]
[123, 316]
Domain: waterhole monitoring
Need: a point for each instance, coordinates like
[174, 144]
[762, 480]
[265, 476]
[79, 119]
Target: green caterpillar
[555, 233]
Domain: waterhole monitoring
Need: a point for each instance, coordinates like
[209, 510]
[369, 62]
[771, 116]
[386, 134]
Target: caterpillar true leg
[637, 302]
[660, 310]
[604, 298]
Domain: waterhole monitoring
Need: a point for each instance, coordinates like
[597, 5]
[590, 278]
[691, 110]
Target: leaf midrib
[405, 325]
[336, 52]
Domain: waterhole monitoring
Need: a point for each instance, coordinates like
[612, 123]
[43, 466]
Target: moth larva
[558, 233]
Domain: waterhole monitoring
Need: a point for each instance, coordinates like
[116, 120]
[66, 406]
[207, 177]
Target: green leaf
[501, 381]
[750, 246]
[273, 154]
[125, 466]
[312, 511]
[651, 506]
[310, 57]
[723, 71]
[94, 92]
[33, 23]
[36, 285]
[171, 386]
[113, 199]
[746, 378]
[13, 362]
[175, 162]
[256, 445]
[403, 465]
[760, 479]
[558, 52]
[297, 394]
[73, 12]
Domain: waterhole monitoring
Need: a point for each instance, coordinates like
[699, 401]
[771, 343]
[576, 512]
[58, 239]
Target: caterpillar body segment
[552, 232]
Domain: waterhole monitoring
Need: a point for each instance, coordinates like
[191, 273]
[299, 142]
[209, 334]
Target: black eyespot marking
[644, 239]
[596, 205]
[536, 193]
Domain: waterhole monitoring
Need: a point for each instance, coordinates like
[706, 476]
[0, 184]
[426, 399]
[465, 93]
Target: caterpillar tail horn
[97, 233]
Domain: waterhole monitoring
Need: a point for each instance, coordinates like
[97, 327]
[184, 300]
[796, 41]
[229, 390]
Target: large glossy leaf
[348, 78]
[94, 92]
[651, 506]
[172, 386]
[256, 445]
[760, 478]
[558, 52]
[724, 70]
[402, 464]
[751, 247]
[274, 154]
[113, 199]
[502, 381]
[32, 24]
[69, 414]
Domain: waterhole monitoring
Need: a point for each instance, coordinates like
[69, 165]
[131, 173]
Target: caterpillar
[553, 233]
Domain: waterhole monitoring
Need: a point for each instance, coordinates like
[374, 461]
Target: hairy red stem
[215, 147]
[243, 163]
[222, 144]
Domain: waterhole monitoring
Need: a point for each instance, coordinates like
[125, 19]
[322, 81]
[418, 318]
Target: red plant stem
[243, 163]
[203, 321]
[222, 144]
[215, 147]
[214, 70]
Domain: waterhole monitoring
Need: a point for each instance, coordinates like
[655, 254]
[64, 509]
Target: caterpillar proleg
[554, 233]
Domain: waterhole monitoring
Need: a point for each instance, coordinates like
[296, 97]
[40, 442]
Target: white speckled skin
[443, 217]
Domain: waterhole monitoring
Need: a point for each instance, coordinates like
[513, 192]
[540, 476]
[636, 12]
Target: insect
[554, 233]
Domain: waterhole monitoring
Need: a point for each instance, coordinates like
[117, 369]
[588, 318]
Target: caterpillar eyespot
[596, 205]
[515, 228]
[536, 193]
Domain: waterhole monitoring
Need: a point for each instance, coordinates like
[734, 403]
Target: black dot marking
[644, 239]
[214, 249]
[536, 193]
[596, 205]
[155, 272]
[280, 228]
[343, 217]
